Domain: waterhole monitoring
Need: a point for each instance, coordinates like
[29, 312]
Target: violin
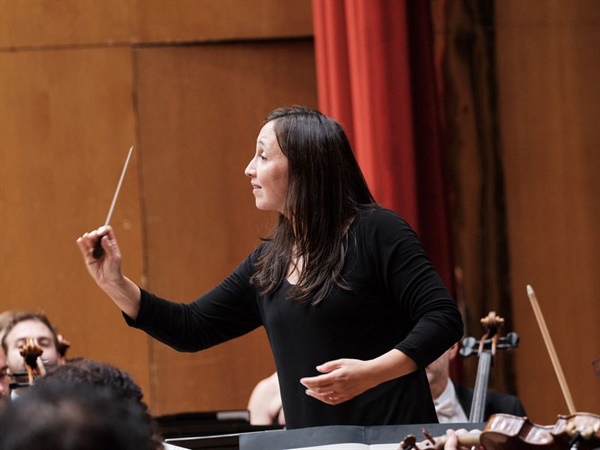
[486, 348]
[503, 432]
[577, 431]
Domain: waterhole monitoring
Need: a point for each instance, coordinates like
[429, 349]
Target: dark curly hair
[64, 416]
[85, 371]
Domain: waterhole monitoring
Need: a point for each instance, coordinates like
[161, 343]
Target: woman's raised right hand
[106, 269]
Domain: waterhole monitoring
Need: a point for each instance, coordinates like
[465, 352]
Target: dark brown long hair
[326, 191]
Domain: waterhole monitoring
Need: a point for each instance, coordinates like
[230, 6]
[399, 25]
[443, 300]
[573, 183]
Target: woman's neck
[295, 268]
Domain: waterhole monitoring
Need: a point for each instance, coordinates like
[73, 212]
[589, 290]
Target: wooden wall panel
[200, 110]
[66, 122]
[41, 23]
[67, 119]
[54, 23]
[210, 20]
[549, 101]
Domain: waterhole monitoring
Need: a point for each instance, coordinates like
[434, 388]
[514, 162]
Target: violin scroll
[470, 345]
[490, 340]
[31, 352]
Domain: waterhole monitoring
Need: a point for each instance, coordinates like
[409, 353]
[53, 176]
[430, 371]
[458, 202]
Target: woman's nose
[250, 170]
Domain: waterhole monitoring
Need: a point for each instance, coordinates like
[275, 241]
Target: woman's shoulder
[382, 225]
[379, 216]
[247, 265]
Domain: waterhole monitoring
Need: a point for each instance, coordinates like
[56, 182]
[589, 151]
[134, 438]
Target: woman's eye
[263, 157]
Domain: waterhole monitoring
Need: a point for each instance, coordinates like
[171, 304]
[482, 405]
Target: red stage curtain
[376, 75]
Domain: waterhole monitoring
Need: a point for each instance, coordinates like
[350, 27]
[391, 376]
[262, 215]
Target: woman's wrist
[126, 295]
[392, 365]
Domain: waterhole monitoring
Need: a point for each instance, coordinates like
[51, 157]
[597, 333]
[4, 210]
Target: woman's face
[268, 172]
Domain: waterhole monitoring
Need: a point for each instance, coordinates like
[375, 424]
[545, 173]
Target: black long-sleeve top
[397, 301]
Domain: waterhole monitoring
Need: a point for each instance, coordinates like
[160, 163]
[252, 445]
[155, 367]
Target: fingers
[451, 441]
[331, 386]
[330, 366]
[462, 439]
[330, 397]
[319, 385]
[325, 380]
[325, 388]
[340, 380]
[89, 240]
[321, 388]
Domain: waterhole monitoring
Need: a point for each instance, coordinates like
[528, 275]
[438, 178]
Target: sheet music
[172, 447]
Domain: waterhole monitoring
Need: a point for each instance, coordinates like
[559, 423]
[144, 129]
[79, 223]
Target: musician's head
[84, 371]
[89, 372]
[4, 377]
[34, 325]
[64, 416]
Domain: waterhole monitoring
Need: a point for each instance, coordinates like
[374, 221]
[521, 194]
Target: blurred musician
[30, 329]
[265, 402]
[453, 402]
[4, 379]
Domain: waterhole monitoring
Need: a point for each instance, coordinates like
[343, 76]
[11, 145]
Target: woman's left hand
[341, 380]
[344, 379]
